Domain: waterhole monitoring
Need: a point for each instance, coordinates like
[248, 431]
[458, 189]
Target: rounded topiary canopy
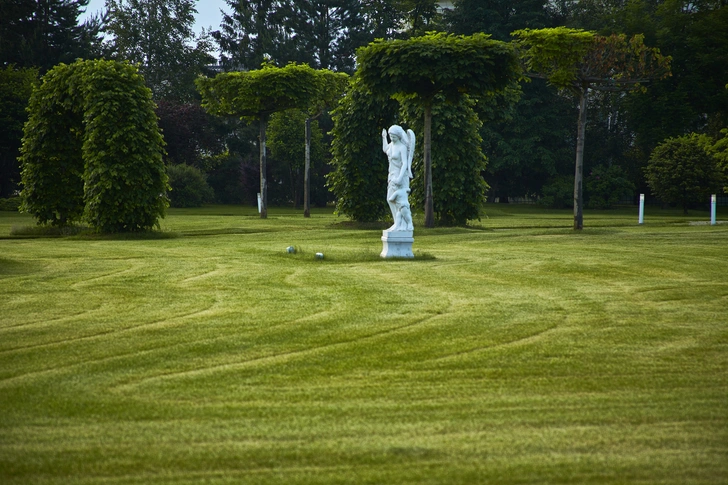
[92, 149]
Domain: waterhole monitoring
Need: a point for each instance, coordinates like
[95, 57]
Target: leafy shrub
[558, 193]
[606, 186]
[189, 187]
[683, 170]
[12, 204]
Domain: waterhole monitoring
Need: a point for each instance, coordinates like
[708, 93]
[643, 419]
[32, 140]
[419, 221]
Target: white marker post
[713, 204]
[260, 203]
[642, 209]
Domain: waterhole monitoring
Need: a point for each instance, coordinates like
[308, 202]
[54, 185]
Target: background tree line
[529, 144]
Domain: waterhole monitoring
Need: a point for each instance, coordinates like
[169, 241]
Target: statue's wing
[410, 151]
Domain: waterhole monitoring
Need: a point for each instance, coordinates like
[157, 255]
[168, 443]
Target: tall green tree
[581, 61]
[421, 68]
[43, 33]
[157, 34]
[254, 33]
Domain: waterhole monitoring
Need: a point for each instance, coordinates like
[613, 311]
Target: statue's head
[397, 131]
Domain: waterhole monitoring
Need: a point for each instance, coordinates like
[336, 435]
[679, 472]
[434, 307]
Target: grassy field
[515, 351]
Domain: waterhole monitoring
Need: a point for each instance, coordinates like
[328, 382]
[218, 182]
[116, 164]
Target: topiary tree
[256, 95]
[92, 149]
[421, 68]
[359, 169]
[683, 171]
[580, 61]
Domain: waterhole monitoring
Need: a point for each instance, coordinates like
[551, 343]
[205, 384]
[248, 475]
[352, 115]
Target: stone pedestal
[397, 244]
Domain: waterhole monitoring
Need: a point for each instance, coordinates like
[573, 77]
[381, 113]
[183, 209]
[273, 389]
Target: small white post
[713, 204]
[260, 202]
[642, 209]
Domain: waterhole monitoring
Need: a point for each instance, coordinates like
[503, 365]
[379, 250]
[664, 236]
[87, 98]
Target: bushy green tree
[683, 171]
[189, 188]
[92, 149]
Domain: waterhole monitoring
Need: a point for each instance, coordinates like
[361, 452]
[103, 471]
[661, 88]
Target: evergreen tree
[43, 33]
[158, 35]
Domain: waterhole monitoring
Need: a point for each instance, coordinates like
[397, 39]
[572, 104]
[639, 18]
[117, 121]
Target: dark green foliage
[188, 187]
[191, 135]
[92, 148]
[11, 204]
[558, 193]
[496, 17]
[158, 35]
[44, 33]
[606, 186]
[16, 86]
[683, 171]
[529, 143]
[457, 160]
[359, 175]
[287, 150]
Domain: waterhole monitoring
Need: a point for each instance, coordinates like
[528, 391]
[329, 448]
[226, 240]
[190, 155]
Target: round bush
[189, 187]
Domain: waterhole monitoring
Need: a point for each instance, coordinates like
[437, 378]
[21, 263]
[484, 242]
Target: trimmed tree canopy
[437, 63]
[92, 149]
[578, 61]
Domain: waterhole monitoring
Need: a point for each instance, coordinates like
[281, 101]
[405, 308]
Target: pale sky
[208, 12]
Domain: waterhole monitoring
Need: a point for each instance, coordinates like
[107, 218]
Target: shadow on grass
[303, 255]
[85, 232]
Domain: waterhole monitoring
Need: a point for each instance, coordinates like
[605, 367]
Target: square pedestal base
[397, 244]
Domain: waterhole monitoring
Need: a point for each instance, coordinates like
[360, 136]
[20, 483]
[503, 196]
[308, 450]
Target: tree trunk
[306, 172]
[263, 181]
[579, 169]
[429, 203]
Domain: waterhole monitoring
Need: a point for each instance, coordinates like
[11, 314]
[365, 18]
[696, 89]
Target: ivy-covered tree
[81, 159]
[458, 162]
[421, 68]
[683, 171]
[157, 34]
[358, 178]
[581, 61]
[256, 95]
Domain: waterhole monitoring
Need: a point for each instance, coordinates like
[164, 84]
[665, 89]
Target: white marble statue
[400, 152]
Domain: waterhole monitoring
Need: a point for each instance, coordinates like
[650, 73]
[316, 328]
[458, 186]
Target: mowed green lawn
[513, 352]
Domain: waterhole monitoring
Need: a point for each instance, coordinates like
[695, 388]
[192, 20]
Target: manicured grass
[512, 352]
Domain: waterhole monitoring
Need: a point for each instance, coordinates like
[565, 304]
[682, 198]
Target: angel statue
[400, 153]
